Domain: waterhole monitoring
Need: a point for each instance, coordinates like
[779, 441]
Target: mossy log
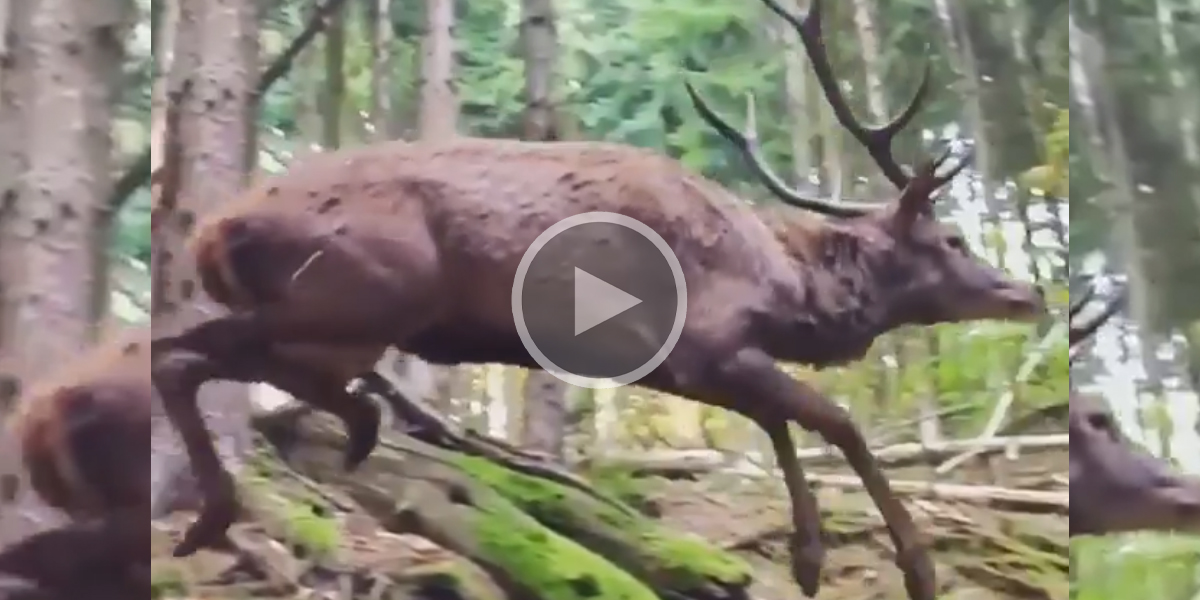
[541, 533]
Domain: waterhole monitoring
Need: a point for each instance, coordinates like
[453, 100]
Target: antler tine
[1079, 303]
[877, 140]
[1081, 332]
[747, 144]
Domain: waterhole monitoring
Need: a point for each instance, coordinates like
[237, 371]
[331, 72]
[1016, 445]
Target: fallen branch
[1001, 497]
[996, 421]
[697, 462]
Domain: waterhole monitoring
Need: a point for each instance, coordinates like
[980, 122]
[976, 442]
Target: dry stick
[1006, 400]
[140, 170]
[714, 459]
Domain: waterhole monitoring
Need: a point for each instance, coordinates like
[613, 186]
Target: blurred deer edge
[1121, 488]
[82, 436]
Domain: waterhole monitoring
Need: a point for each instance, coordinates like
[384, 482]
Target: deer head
[922, 270]
[1121, 488]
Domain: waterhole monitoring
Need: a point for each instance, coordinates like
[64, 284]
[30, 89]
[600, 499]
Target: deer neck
[833, 310]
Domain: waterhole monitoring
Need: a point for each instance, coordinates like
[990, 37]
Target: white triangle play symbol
[597, 301]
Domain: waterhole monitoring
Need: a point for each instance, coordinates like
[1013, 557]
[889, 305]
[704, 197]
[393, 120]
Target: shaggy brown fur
[417, 245]
[84, 438]
[1121, 487]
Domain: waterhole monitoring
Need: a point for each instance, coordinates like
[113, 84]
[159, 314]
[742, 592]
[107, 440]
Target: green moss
[620, 482]
[317, 534]
[305, 521]
[667, 560]
[541, 561]
[167, 582]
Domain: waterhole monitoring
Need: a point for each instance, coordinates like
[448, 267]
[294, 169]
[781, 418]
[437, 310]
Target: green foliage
[1135, 566]
[132, 237]
[167, 582]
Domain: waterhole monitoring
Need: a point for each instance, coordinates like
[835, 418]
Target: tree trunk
[63, 83]
[333, 89]
[544, 410]
[438, 120]
[1090, 89]
[17, 513]
[439, 102]
[212, 84]
[379, 23]
[15, 73]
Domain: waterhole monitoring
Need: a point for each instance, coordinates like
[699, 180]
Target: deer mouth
[1025, 304]
[1184, 499]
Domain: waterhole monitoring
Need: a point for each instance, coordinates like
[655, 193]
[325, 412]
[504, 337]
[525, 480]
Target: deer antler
[1084, 329]
[747, 144]
[877, 140]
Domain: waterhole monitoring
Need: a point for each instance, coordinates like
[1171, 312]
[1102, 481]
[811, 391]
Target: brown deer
[1121, 488]
[417, 245]
[82, 435]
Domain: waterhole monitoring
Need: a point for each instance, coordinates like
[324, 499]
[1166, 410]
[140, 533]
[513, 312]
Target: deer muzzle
[1018, 301]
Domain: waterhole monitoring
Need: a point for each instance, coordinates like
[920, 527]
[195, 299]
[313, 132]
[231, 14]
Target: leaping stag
[416, 246]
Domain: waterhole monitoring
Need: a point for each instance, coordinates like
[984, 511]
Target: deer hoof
[920, 580]
[220, 511]
[362, 435]
[808, 557]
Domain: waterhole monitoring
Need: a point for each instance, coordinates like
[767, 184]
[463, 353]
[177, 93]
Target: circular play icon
[599, 300]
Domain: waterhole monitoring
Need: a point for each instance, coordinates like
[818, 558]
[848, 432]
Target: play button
[599, 300]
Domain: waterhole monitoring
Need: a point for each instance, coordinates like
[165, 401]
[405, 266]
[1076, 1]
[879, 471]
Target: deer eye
[957, 243]
[1100, 421]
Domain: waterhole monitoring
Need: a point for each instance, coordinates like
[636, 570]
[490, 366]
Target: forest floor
[347, 549]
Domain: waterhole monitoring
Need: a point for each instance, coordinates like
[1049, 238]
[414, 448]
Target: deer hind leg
[179, 375]
[360, 415]
[757, 387]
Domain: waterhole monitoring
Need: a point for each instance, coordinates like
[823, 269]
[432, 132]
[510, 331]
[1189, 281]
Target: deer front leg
[751, 383]
[807, 549]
